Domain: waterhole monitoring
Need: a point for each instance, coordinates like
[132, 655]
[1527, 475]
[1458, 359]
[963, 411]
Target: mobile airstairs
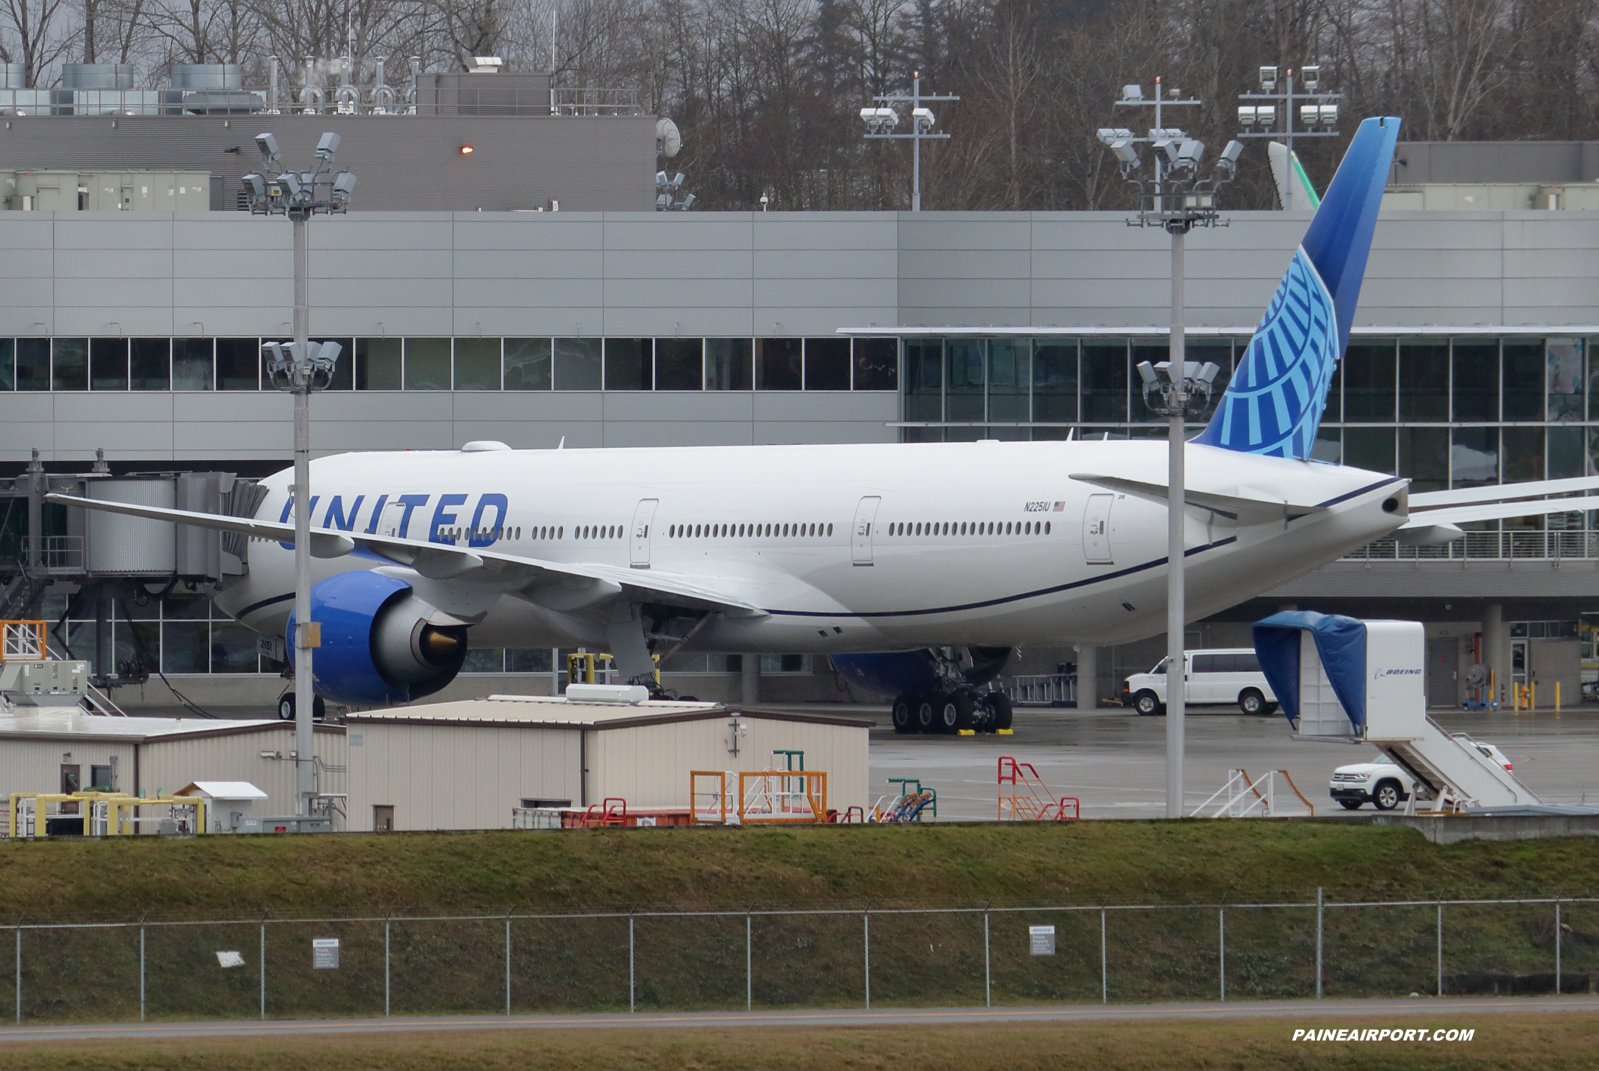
[1340, 678]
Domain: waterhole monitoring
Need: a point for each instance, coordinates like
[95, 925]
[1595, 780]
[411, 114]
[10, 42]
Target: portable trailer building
[49, 750]
[469, 764]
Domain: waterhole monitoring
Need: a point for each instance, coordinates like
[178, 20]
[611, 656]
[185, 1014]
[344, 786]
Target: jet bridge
[1340, 678]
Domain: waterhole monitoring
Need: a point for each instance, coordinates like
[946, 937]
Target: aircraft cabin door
[861, 538]
[1096, 530]
[643, 516]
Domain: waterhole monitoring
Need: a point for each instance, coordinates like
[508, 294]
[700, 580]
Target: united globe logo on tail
[1275, 401]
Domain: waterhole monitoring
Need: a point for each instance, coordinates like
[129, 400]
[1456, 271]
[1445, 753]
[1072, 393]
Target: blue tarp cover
[1341, 642]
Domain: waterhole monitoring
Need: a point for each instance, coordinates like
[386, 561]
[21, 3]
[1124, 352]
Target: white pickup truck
[1227, 675]
[1385, 785]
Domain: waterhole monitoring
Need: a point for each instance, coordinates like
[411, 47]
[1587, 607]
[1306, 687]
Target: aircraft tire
[946, 713]
[965, 701]
[926, 713]
[903, 713]
[286, 706]
[1000, 704]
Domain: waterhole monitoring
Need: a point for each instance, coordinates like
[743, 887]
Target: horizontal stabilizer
[1242, 503]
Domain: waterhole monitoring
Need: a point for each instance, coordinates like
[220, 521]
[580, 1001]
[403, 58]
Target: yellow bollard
[1557, 697]
[1532, 694]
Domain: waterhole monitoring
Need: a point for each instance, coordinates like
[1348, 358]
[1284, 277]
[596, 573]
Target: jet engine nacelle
[380, 643]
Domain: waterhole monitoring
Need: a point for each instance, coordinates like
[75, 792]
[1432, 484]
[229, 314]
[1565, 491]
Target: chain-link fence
[797, 959]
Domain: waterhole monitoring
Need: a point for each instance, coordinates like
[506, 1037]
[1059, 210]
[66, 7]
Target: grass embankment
[929, 866]
[779, 960]
[1502, 1042]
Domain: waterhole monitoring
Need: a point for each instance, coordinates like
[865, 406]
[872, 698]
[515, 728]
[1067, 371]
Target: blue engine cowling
[915, 671]
[378, 645]
[890, 674]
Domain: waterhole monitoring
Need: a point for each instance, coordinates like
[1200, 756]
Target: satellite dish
[668, 142]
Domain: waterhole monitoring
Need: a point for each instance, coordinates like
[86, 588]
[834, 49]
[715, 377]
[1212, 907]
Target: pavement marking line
[841, 1018]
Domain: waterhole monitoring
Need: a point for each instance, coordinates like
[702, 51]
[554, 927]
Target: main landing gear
[948, 711]
[286, 708]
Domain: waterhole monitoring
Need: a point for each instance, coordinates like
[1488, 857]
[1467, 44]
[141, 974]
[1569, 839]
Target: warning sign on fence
[325, 954]
[1041, 940]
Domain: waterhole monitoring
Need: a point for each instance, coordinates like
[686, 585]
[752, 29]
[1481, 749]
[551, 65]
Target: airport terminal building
[139, 333]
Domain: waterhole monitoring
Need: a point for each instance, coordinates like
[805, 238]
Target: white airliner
[889, 558]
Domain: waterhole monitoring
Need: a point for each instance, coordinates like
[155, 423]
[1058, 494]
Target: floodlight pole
[1176, 516]
[304, 694]
[1177, 200]
[299, 196]
[918, 133]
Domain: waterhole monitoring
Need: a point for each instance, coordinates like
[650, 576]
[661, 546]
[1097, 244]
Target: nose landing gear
[949, 711]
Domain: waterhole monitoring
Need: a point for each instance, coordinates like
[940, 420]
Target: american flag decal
[1059, 506]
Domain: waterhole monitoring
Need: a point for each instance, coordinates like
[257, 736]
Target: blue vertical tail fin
[1277, 395]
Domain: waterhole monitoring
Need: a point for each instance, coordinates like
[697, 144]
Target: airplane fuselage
[842, 548]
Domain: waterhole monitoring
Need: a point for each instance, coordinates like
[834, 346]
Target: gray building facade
[1471, 362]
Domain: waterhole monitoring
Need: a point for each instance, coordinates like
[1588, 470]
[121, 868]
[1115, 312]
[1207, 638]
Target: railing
[1043, 690]
[1552, 545]
[56, 552]
[596, 102]
[648, 961]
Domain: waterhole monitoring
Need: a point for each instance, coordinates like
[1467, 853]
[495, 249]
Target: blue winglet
[1277, 395]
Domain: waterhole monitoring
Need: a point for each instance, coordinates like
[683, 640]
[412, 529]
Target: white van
[1226, 675]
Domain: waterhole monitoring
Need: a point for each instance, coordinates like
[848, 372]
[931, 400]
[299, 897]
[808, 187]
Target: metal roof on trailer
[137, 730]
[555, 712]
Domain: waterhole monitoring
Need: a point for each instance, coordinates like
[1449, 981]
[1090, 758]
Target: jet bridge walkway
[1340, 678]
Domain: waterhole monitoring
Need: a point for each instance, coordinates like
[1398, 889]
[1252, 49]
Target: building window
[1055, 381]
[427, 364]
[1523, 392]
[239, 364]
[33, 364]
[578, 364]
[876, 364]
[1474, 383]
[629, 364]
[150, 363]
[729, 364]
[477, 364]
[378, 364]
[1474, 454]
[1104, 382]
[1370, 379]
[527, 364]
[8, 362]
[1424, 382]
[1566, 380]
[193, 363]
[69, 365]
[108, 364]
[827, 364]
[779, 364]
[679, 364]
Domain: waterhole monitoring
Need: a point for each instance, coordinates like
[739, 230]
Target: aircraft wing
[1491, 511]
[1500, 492]
[1237, 503]
[558, 585]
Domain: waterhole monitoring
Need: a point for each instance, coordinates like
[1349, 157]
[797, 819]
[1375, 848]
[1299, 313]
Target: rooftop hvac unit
[13, 76]
[207, 76]
[97, 76]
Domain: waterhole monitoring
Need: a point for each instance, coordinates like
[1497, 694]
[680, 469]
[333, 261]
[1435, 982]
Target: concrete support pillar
[1496, 649]
[1087, 677]
[749, 679]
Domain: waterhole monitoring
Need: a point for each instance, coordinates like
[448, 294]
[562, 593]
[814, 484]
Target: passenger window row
[945, 528]
[748, 531]
[597, 531]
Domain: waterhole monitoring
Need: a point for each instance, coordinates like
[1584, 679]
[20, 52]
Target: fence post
[988, 968]
[749, 964]
[866, 946]
[1319, 905]
[630, 975]
[261, 957]
[141, 967]
[1557, 948]
[1440, 948]
[1104, 963]
[508, 965]
[385, 968]
[1221, 922]
[19, 972]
